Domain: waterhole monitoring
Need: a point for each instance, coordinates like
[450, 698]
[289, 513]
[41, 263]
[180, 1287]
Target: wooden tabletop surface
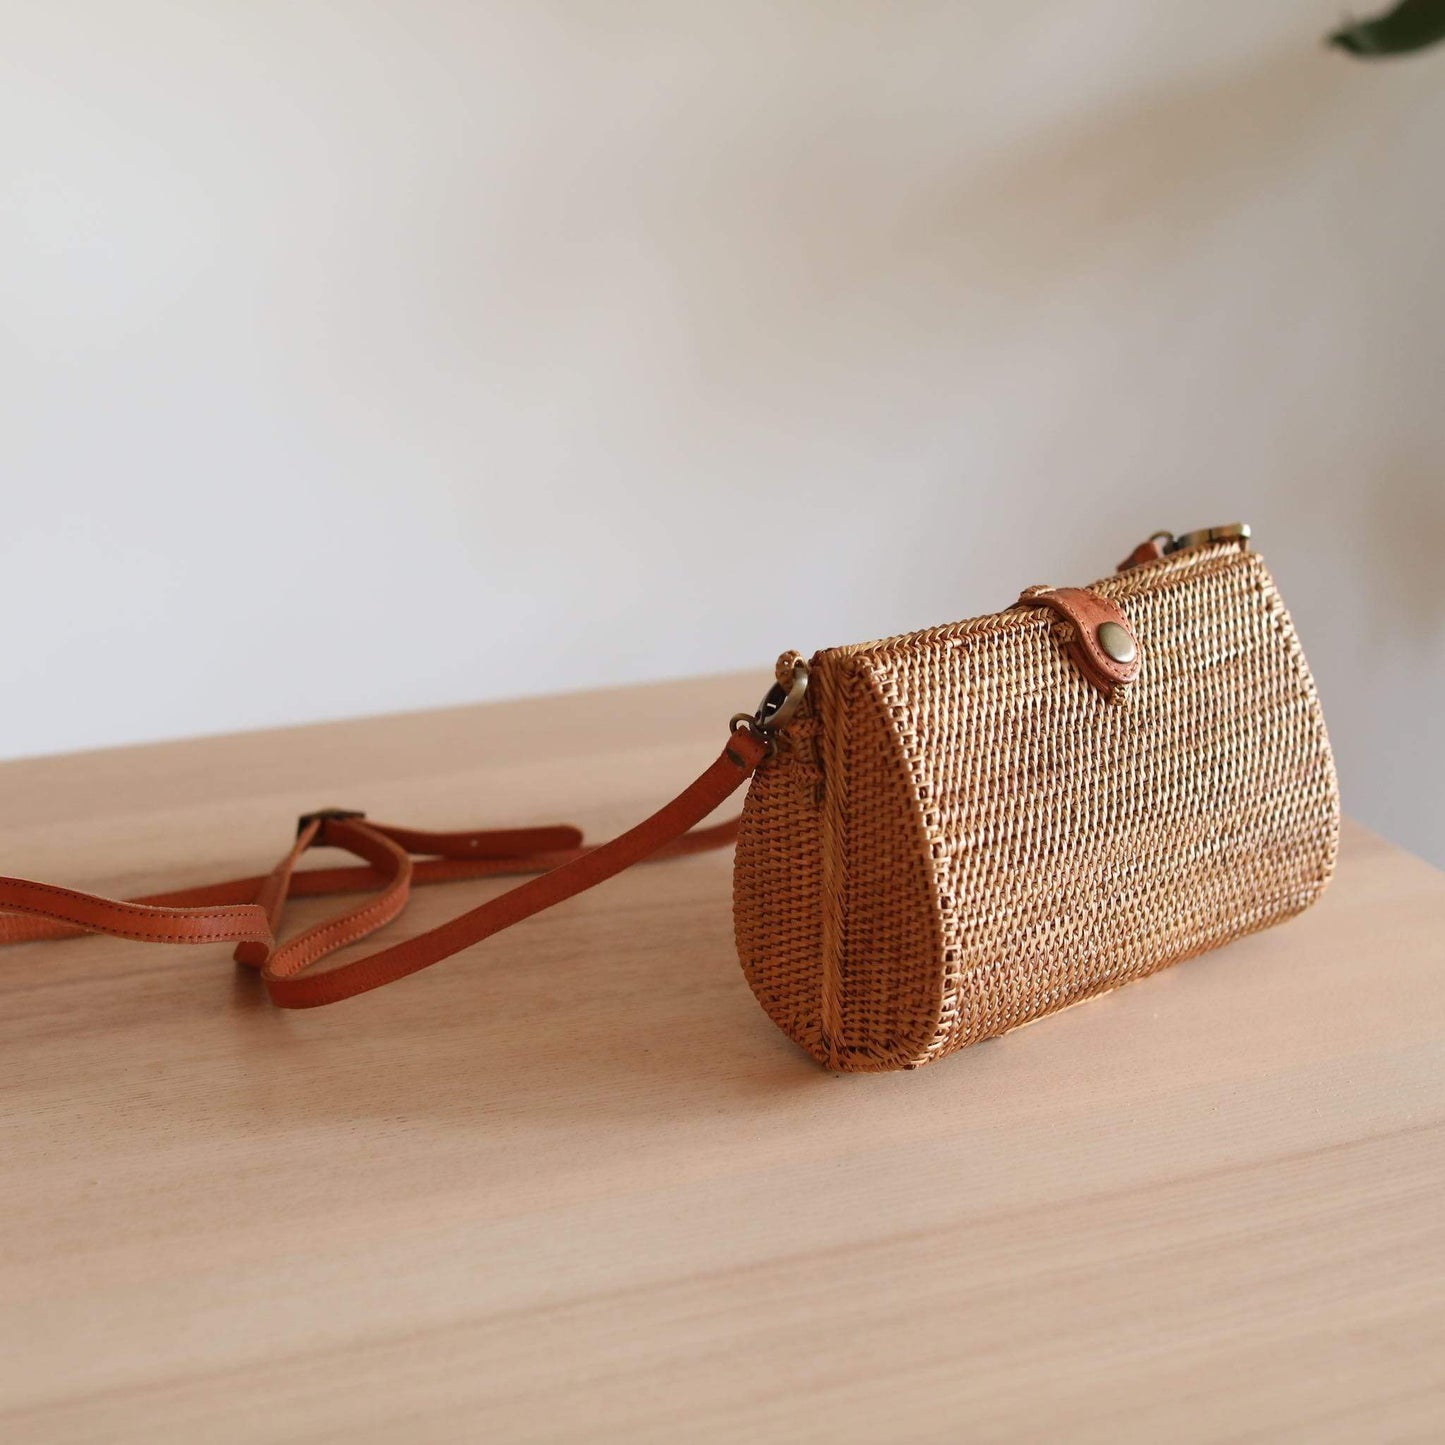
[572, 1185]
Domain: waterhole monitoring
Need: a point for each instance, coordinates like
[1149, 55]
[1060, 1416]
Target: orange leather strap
[247, 911]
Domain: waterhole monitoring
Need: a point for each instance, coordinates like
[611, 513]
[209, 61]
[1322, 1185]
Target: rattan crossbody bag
[947, 834]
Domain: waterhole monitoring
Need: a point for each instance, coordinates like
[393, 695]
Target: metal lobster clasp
[779, 704]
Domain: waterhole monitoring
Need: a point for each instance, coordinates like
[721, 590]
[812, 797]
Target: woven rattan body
[960, 834]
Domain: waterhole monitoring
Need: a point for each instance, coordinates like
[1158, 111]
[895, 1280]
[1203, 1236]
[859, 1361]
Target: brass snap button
[1116, 642]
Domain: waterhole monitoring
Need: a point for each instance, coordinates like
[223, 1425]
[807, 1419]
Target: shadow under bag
[947, 834]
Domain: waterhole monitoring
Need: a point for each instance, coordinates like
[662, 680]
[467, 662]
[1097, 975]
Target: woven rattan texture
[962, 834]
[778, 890]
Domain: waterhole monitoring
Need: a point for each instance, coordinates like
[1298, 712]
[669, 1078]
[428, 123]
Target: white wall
[369, 356]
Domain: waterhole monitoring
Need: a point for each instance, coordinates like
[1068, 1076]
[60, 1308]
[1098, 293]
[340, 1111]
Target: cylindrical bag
[947, 834]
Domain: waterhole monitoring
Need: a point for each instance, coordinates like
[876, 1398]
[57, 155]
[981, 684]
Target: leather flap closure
[1102, 642]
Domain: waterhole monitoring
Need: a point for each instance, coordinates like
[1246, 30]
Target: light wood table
[573, 1186]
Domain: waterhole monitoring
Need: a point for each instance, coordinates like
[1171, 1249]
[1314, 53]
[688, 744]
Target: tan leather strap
[247, 911]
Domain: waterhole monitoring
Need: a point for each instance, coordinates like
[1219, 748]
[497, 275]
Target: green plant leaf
[1411, 25]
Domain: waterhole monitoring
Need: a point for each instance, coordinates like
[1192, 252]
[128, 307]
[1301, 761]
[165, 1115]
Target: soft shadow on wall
[641, 341]
[1348, 501]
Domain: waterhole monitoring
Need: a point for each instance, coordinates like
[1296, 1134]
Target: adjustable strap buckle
[325, 815]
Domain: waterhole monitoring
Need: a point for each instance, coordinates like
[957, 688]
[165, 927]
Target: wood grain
[573, 1185]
